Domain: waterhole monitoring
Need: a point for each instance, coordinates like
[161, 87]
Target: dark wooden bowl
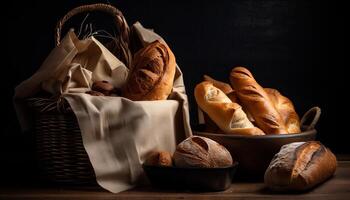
[254, 153]
[197, 179]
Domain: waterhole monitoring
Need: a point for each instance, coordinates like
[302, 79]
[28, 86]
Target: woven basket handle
[122, 26]
[314, 114]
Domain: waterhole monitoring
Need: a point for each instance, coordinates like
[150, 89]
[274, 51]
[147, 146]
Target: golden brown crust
[256, 101]
[233, 96]
[300, 166]
[160, 158]
[227, 115]
[152, 75]
[226, 88]
[286, 109]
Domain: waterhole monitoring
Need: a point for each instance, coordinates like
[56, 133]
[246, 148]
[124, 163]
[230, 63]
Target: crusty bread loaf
[234, 98]
[286, 109]
[283, 106]
[211, 126]
[202, 152]
[300, 166]
[152, 74]
[227, 115]
[159, 158]
[257, 102]
[226, 88]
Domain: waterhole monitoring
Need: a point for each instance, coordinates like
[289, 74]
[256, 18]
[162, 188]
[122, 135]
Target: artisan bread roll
[159, 158]
[257, 102]
[226, 88]
[152, 74]
[300, 166]
[227, 115]
[201, 152]
[286, 109]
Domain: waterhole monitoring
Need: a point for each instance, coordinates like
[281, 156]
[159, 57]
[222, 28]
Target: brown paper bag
[117, 133]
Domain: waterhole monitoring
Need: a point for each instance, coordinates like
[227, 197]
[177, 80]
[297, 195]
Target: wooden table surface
[336, 188]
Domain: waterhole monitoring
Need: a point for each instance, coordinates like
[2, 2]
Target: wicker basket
[61, 154]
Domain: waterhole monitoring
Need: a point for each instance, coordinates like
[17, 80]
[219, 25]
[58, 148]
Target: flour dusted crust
[227, 115]
[300, 166]
[226, 88]
[201, 152]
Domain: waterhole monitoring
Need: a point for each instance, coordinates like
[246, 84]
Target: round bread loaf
[201, 152]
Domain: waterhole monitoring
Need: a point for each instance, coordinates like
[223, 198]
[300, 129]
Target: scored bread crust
[152, 74]
[197, 151]
[300, 166]
[228, 116]
[257, 102]
[226, 88]
[286, 109]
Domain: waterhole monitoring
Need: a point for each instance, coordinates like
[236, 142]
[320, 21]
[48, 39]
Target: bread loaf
[226, 88]
[286, 109]
[283, 106]
[159, 158]
[201, 152]
[227, 115]
[300, 166]
[152, 74]
[257, 102]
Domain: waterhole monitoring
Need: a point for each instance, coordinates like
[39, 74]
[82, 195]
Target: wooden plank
[337, 187]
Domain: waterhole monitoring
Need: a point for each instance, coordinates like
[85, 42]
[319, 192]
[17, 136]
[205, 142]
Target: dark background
[296, 47]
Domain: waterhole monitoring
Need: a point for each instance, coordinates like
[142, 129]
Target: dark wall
[296, 47]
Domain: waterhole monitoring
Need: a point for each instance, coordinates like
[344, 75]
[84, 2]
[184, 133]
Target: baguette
[286, 109]
[257, 102]
[226, 88]
[229, 116]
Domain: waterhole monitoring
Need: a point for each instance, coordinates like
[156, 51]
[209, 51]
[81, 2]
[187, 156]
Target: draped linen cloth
[117, 133]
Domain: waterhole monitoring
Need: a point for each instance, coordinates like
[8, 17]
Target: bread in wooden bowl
[201, 152]
[228, 115]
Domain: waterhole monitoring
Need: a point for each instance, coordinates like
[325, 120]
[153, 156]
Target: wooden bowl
[197, 179]
[254, 153]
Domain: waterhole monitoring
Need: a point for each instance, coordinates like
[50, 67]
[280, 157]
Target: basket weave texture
[60, 151]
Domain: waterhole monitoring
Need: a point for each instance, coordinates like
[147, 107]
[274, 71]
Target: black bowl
[254, 153]
[199, 179]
